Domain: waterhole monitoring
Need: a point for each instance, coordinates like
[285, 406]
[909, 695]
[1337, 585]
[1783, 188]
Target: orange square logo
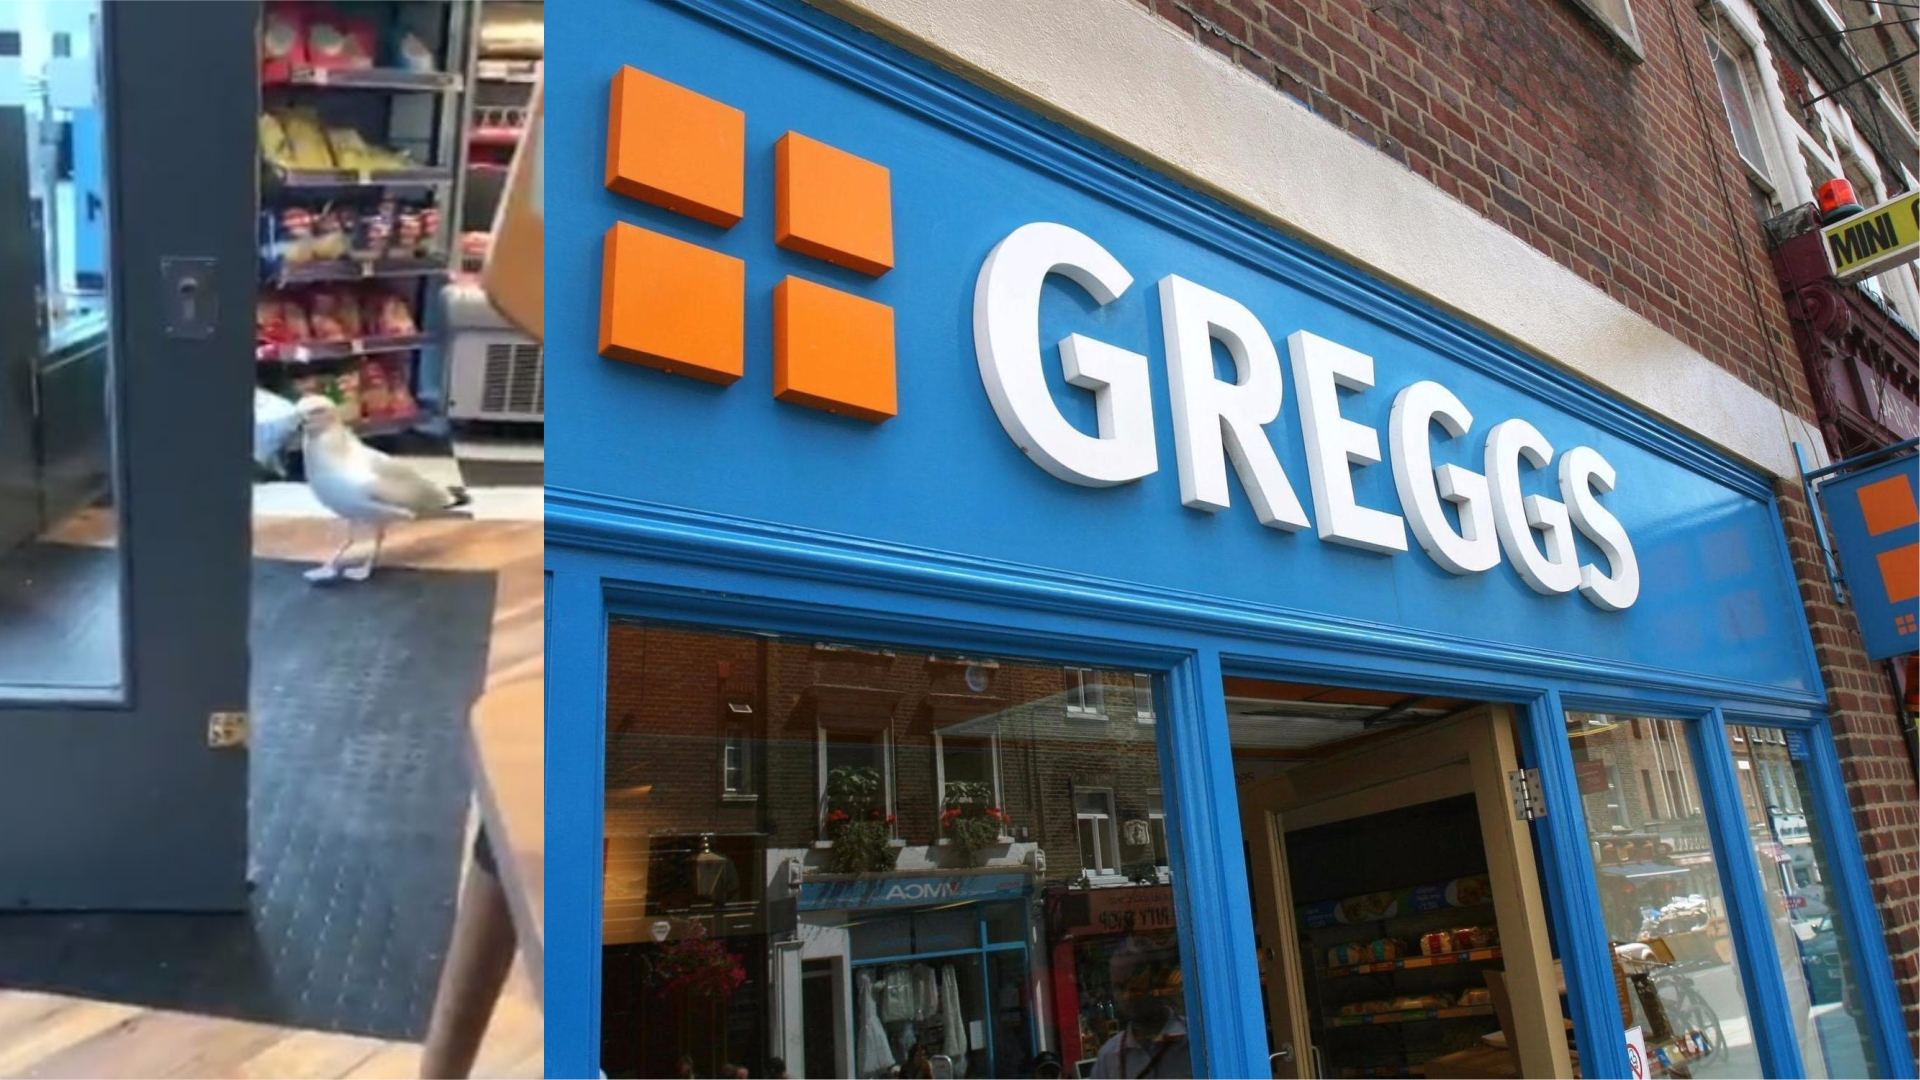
[1887, 505]
[833, 351]
[1900, 572]
[832, 205]
[671, 305]
[671, 147]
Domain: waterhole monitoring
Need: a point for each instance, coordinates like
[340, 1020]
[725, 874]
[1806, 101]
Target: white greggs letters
[1215, 422]
[1006, 334]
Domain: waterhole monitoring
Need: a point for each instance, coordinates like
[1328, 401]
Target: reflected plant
[857, 823]
[970, 819]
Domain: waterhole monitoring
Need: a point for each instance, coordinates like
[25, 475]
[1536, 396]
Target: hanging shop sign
[1115, 910]
[905, 891]
[1879, 239]
[1875, 526]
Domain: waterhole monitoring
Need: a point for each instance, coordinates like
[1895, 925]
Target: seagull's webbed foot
[323, 572]
[358, 571]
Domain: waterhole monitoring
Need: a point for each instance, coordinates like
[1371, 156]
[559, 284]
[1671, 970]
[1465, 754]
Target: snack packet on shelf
[308, 138]
[327, 318]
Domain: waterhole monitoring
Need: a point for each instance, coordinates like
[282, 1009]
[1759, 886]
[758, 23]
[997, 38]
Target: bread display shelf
[1410, 1016]
[1470, 956]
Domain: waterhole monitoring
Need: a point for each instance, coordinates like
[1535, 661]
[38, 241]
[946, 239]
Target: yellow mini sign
[1882, 238]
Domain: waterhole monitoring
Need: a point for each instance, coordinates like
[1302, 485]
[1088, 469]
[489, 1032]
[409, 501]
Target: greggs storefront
[1011, 615]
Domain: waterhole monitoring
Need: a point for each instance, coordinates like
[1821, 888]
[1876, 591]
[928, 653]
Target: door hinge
[226, 730]
[1529, 802]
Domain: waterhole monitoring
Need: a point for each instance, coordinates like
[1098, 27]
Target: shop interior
[873, 861]
[385, 134]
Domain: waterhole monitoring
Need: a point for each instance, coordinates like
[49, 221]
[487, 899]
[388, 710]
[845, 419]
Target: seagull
[361, 484]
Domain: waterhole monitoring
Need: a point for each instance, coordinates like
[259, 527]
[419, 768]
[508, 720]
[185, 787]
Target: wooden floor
[51, 1036]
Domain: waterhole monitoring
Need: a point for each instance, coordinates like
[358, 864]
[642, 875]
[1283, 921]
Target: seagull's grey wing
[398, 485]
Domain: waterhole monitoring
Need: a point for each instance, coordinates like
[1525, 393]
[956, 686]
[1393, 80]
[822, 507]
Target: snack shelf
[507, 71]
[1410, 1016]
[425, 176]
[495, 136]
[395, 79]
[311, 352]
[1469, 956]
[326, 270]
[387, 425]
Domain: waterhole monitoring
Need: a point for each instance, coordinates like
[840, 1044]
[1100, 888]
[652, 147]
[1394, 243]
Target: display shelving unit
[1397, 1042]
[417, 109]
[494, 373]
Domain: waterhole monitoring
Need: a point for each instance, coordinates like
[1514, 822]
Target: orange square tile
[671, 147]
[833, 350]
[671, 305]
[1888, 504]
[1900, 573]
[832, 205]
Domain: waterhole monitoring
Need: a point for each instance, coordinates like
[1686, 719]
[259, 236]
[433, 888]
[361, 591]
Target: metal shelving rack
[420, 111]
[494, 373]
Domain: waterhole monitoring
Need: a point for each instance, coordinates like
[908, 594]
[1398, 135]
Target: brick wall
[1524, 111]
[1879, 776]
[1626, 174]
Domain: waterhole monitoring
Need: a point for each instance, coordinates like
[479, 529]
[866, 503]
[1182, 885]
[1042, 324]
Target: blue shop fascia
[1477, 708]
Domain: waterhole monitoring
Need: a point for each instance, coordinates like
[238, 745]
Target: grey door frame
[116, 800]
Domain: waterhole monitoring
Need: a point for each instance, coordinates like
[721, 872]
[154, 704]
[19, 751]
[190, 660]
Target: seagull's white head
[317, 414]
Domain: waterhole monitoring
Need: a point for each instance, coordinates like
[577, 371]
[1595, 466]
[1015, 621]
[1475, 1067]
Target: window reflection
[1822, 989]
[1661, 895]
[848, 861]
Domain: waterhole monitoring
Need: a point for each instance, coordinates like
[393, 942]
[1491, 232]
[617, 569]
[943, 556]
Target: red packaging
[283, 42]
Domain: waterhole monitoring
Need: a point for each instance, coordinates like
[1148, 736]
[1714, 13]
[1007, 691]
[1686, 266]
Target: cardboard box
[514, 275]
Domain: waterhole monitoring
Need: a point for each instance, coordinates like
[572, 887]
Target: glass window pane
[60, 567]
[988, 931]
[1729, 68]
[1823, 991]
[1662, 898]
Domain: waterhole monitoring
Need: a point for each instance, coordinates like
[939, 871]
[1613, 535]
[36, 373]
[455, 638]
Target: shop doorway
[1396, 900]
[124, 448]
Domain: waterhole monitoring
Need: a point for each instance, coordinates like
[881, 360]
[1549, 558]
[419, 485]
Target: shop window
[1086, 694]
[1143, 698]
[962, 921]
[1810, 934]
[1099, 840]
[1663, 903]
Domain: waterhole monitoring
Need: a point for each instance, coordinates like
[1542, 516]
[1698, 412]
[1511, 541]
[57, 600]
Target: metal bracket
[226, 730]
[1529, 804]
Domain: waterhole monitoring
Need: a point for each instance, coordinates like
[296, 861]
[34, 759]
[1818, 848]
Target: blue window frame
[622, 573]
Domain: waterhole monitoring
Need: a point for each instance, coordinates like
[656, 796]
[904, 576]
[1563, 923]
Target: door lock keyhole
[192, 296]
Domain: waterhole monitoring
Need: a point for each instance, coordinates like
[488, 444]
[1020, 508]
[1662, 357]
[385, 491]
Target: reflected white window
[1099, 839]
[1086, 694]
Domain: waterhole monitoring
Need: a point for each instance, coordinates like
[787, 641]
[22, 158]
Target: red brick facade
[1523, 110]
[1625, 173]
